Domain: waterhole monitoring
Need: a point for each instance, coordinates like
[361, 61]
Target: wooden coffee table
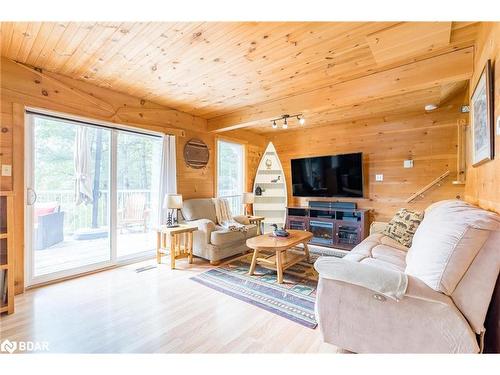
[280, 259]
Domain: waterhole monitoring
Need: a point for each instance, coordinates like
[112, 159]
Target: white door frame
[30, 279]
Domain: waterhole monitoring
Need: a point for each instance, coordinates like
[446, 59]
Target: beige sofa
[211, 241]
[431, 298]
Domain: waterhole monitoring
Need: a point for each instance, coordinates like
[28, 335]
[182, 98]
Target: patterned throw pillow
[403, 225]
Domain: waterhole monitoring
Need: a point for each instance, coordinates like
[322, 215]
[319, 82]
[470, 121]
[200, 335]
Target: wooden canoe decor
[196, 153]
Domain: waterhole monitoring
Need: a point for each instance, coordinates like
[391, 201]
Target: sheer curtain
[168, 174]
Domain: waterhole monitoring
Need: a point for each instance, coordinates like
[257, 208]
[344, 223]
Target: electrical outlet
[6, 170]
[379, 177]
[408, 164]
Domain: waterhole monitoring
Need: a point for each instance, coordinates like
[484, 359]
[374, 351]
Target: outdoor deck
[73, 253]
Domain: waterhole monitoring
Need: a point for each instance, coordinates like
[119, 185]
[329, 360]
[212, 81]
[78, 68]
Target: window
[231, 174]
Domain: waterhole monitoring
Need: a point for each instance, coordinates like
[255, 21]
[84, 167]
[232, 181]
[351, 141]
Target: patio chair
[134, 212]
[49, 225]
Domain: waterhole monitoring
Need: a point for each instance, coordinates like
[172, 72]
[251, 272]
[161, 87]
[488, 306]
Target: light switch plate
[6, 170]
[408, 164]
[379, 177]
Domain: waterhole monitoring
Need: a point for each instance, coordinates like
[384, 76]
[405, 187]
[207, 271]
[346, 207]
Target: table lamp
[248, 199]
[172, 202]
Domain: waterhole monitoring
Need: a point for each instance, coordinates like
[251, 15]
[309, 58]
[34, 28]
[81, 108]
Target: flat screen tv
[328, 176]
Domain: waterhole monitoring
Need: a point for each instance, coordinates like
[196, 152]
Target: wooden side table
[257, 220]
[181, 243]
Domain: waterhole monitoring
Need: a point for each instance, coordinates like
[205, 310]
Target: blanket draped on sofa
[224, 216]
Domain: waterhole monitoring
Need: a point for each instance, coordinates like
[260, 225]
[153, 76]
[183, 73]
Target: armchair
[211, 241]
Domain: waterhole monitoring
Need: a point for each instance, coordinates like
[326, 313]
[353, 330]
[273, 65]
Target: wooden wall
[430, 139]
[22, 87]
[483, 182]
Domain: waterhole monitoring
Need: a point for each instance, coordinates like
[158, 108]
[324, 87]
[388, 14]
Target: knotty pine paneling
[483, 182]
[213, 68]
[24, 87]
[430, 139]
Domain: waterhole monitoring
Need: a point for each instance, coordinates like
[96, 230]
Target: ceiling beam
[447, 68]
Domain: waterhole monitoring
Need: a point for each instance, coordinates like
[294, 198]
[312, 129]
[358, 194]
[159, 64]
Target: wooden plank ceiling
[226, 72]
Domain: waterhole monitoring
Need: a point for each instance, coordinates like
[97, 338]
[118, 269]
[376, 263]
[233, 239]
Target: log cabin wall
[22, 86]
[483, 181]
[429, 139]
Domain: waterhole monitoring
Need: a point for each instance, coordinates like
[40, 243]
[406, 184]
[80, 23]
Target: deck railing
[77, 217]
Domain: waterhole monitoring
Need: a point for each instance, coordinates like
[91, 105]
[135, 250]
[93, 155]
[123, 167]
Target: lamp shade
[248, 198]
[172, 201]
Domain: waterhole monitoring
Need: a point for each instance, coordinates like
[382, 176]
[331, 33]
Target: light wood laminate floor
[155, 311]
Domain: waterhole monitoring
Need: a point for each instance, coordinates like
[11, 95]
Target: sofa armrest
[417, 289]
[377, 227]
[387, 282]
[206, 226]
[242, 219]
[355, 318]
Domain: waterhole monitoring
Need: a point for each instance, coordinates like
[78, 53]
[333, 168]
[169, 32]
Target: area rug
[293, 300]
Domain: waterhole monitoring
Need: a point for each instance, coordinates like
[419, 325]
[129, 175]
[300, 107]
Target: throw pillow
[403, 225]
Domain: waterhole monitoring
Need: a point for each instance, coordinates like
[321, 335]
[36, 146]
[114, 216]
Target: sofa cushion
[194, 209]
[446, 242]
[46, 208]
[223, 237]
[403, 225]
[374, 247]
[365, 247]
[390, 255]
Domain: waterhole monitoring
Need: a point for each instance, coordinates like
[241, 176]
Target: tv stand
[331, 227]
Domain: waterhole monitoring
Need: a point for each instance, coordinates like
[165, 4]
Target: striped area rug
[294, 299]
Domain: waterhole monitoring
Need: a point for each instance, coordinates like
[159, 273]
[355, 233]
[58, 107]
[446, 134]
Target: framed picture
[482, 118]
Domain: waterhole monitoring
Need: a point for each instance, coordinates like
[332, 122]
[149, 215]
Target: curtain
[168, 175]
[82, 161]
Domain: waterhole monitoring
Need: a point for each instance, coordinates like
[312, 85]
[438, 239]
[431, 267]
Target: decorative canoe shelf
[271, 179]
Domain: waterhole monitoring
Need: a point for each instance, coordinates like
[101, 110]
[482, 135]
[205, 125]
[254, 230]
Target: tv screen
[328, 176]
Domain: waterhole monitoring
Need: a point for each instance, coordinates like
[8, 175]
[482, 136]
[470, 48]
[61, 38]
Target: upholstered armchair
[211, 241]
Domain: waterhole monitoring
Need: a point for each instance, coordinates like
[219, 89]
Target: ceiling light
[285, 118]
[430, 107]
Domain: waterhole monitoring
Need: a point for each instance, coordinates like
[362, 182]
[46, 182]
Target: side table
[180, 245]
[257, 220]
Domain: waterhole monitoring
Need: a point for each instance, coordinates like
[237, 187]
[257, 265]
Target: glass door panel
[138, 173]
[71, 182]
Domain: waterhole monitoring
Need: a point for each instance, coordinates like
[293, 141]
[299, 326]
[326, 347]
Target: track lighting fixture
[285, 118]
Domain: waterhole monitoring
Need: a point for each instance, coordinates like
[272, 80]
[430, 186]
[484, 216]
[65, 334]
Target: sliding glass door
[137, 184]
[92, 196]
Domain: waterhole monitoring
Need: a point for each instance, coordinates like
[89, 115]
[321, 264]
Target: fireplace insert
[322, 231]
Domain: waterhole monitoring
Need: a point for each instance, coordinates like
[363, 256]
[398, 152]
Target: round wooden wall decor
[196, 153]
